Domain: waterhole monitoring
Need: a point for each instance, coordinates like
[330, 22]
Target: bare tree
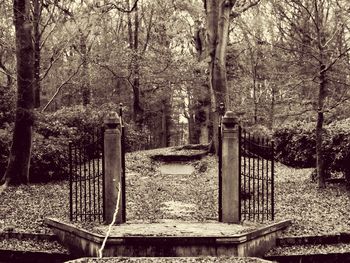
[219, 14]
[17, 171]
[314, 31]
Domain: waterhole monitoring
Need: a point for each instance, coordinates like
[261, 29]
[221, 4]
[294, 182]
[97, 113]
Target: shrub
[338, 147]
[49, 160]
[134, 139]
[259, 131]
[7, 103]
[81, 123]
[73, 123]
[5, 143]
[295, 145]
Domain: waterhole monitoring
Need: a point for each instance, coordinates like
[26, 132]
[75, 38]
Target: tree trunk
[272, 109]
[201, 96]
[17, 171]
[319, 129]
[192, 138]
[137, 109]
[37, 57]
[85, 78]
[218, 21]
[321, 97]
[135, 66]
[164, 138]
[255, 103]
[131, 42]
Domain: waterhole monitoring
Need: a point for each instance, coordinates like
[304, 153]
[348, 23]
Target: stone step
[311, 258]
[343, 237]
[172, 260]
[339, 252]
[20, 256]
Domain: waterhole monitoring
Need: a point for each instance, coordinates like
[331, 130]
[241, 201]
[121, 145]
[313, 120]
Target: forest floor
[152, 196]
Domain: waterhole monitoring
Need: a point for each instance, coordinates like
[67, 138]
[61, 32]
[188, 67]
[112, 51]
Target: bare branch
[111, 6]
[106, 67]
[242, 9]
[52, 62]
[47, 23]
[148, 34]
[335, 60]
[60, 87]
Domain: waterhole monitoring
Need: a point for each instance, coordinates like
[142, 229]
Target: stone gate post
[113, 168]
[230, 169]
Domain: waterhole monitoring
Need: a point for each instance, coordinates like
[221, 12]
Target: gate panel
[257, 177]
[86, 180]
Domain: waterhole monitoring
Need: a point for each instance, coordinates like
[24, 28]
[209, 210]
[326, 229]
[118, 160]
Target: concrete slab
[171, 228]
[178, 208]
[169, 239]
[176, 169]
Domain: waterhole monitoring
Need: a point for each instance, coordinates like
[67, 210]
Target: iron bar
[76, 182]
[95, 154]
[254, 198]
[272, 181]
[80, 185]
[239, 173]
[262, 180]
[90, 178]
[267, 185]
[103, 174]
[220, 172]
[70, 183]
[249, 179]
[85, 178]
[123, 184]
[244, 169]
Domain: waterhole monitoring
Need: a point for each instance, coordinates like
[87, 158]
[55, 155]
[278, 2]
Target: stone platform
[169, 239]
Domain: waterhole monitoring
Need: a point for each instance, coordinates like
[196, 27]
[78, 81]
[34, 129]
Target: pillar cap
[112, 120]
[229, 119]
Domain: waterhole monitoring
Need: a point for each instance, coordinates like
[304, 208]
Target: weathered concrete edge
[274, 227]
[262, 231]
[234, 239]
[342, 237]
[70, 228]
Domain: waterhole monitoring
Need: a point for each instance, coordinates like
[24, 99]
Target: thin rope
[100, 251]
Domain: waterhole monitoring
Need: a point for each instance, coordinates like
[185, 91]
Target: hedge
[295, 145]
[54, 131]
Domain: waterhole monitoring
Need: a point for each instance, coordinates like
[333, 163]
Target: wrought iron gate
[257, 177]
[86, 180]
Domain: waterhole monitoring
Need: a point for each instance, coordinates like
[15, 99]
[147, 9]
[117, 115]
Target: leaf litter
[314, 211]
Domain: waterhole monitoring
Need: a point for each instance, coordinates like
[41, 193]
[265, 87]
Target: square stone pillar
[230, 207]
[113, 168]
